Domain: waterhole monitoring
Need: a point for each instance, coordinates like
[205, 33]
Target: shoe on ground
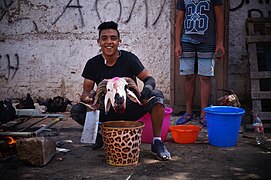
[185, 118]
[159, 149]
[203, 121]
[98, 143]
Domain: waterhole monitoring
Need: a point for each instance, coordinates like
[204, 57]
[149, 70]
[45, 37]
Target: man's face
[109, 41]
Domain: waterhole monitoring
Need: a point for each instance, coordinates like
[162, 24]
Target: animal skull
[116, 91]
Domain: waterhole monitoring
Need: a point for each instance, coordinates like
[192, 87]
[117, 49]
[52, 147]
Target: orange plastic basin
[185, 134]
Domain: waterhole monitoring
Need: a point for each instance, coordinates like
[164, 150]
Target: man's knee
[205, 78]
[190, 77]
[157, 93]
[158, 97]
[78, 113]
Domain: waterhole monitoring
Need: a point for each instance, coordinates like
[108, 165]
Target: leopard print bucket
[122, 141]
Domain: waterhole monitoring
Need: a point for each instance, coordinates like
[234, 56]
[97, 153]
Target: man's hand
[178, 51]
[92, 95]
[219, 51]
[90, 98]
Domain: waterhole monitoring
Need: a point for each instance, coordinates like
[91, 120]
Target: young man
[199, 38]
[119, 63]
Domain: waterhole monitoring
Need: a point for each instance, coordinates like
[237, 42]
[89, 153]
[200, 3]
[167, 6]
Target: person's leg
[205, 92]
[189, 92]
[187, 68]
[206, 68]
[157, 110]
[157, 117]
[78, 113]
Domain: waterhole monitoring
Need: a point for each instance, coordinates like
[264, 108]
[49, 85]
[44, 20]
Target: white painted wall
[53, 45]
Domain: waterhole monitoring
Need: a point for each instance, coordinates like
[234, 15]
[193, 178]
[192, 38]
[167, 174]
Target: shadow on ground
[189, 161]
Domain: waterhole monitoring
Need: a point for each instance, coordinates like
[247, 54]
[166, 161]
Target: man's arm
[178, 32]
[149, 83]
[220, 31]
[88, 85]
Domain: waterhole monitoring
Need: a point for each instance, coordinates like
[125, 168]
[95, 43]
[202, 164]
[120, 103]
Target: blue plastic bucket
[223, 124]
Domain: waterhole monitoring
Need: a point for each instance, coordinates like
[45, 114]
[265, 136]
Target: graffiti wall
[44, 45]
[238, 67]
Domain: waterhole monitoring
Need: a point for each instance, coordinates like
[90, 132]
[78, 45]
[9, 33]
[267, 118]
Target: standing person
[199, 38]
[111, 63]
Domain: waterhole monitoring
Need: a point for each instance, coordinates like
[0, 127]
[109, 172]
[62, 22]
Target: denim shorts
[197, 59]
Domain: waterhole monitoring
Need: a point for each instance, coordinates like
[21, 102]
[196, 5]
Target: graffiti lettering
[160, 12]
[78, 6]
[3, 10]
[250, 12]
[11, 70]
[147, 9]
[131, 11]
[35, 26]
[98, 14]
[255, 10]
[247, 2]
[5, 6]
[130, 14]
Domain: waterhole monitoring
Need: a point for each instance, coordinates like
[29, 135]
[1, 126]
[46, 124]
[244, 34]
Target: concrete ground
[200, 160]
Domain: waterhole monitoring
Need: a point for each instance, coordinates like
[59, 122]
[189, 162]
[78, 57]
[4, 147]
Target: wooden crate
[258, 41]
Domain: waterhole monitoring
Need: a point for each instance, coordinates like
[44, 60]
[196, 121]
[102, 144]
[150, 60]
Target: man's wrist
[145, 92]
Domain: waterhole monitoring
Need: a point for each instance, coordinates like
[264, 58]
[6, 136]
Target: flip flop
[203, 121]
[184, 119]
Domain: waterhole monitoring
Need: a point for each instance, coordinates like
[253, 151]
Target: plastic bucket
[147, 134]
[122, 141]
[223, 124]
[185, 134]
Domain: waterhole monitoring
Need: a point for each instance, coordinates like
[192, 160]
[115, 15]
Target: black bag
[7, 111]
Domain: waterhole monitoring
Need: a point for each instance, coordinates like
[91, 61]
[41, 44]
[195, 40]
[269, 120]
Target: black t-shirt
[127, 65]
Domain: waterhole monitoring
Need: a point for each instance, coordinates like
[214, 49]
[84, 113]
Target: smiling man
[112, 63]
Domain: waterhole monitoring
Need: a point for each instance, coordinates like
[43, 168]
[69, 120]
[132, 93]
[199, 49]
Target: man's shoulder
[126, 53]
[96, 58]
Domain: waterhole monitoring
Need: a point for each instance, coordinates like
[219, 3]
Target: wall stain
[12, 8]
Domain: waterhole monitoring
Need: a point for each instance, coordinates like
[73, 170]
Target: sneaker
[203, 121]
[98, 143]
[185, 118]
[159, 149]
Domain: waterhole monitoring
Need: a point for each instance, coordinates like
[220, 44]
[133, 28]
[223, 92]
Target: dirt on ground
[200, 160]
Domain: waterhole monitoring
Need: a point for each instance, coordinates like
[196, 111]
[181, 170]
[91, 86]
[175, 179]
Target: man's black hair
[108, 25]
